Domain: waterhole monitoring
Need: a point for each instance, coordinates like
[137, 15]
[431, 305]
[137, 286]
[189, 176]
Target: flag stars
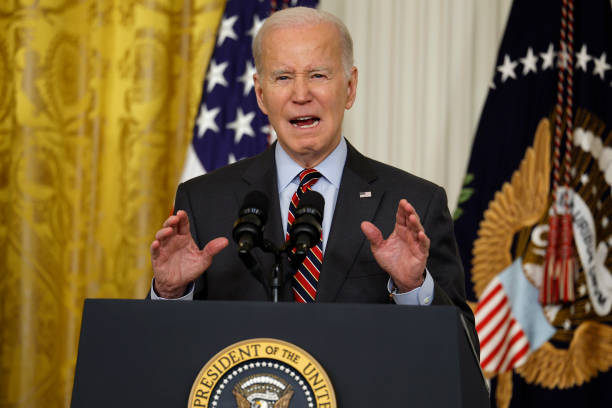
[507, 68]
[601, 66]
[242, 125]
[583, 58]
[582, 290]
[215, 75]
[529, 62]
[257, 23]
[227, 30]
[247, 77]
[562, 58]
[206, 120]
[547, 57]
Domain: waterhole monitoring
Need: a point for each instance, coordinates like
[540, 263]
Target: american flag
[509, 320]
[229, 125]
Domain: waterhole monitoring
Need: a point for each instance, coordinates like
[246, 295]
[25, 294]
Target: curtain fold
[97, 100]
[424, 70]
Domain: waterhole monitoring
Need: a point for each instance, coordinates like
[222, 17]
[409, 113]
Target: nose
[301, 90]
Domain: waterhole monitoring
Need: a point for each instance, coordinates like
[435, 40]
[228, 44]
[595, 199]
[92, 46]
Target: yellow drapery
[97, 100]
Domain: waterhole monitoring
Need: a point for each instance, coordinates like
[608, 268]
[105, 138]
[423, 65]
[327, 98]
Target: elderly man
[304, 82]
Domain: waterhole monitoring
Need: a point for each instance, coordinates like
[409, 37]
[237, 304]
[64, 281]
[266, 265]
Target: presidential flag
[533, 221]
[229, 125]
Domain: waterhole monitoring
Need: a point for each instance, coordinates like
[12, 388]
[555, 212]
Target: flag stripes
[503, 344]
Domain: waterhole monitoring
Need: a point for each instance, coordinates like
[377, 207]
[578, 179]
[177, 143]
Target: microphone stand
[277, 271]
[252, 265]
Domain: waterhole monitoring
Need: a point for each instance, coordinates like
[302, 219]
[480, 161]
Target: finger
[164, 233]
[372, 233]
[170, 221]
[155, 249]
[424, 241]
[215, 246]
[400, 215]
[404, 210]
[413, 221]
[183, 222]
[414, 224]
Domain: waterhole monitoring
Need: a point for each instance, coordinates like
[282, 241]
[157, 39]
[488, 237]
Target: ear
[351, 88]
[259, 93]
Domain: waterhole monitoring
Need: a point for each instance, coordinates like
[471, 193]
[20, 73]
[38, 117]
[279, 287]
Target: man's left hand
[404, 253]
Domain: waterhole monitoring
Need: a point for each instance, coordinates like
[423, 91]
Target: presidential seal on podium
[262, 373]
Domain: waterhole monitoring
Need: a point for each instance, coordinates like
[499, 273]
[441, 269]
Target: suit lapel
[345, 238]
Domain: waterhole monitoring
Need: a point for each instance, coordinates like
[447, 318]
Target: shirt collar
[331, 167]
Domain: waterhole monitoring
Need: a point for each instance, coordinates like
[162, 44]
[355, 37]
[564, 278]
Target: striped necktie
[306, 277]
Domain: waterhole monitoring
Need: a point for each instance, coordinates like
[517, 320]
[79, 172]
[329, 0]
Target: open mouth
[305, 122]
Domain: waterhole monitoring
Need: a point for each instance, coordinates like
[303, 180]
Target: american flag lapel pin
[365, 194]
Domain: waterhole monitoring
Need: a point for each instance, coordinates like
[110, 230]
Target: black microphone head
[311, 203]
[305, 231]
[256, 203]
[248, 228]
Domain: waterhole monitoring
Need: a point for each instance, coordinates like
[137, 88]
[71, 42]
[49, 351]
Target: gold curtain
[97, 100]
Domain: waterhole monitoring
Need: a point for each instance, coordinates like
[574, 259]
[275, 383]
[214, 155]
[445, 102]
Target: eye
[318, 75]
[282, 78]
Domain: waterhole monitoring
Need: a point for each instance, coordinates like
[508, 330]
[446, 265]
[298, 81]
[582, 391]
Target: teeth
[313, 124]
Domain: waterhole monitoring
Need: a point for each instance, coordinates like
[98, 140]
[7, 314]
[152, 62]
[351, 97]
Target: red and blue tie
[306, 277]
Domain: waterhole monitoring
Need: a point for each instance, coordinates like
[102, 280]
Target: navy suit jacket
[349, 272]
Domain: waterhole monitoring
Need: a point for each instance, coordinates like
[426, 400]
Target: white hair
[304, 16]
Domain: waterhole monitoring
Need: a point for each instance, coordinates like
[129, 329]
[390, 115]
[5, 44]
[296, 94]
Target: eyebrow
[289, 71]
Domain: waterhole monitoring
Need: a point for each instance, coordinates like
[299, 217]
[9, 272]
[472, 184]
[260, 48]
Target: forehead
[302, 46]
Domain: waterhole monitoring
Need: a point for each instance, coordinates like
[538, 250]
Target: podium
[149, 353]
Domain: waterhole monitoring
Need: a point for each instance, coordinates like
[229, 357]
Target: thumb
[372, 233]
[214, 246]
[211, 249]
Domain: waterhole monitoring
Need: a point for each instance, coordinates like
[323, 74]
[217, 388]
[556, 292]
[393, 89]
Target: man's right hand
[176, 259]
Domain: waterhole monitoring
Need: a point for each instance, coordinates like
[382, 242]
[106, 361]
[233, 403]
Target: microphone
[248, 228]
[305, 231]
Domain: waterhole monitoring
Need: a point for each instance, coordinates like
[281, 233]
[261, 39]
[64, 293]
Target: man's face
[304, 91]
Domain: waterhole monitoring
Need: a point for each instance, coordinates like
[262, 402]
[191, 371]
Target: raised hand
[176, 258]
[403, 255]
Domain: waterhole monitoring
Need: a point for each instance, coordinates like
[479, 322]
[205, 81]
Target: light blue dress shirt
[328, 186]
[288, 181]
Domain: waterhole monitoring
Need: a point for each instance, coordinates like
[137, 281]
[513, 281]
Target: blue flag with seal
[535, 208]
[229, 125]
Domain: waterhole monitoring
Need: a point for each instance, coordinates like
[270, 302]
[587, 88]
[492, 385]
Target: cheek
[275, 104]
[334, 100]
